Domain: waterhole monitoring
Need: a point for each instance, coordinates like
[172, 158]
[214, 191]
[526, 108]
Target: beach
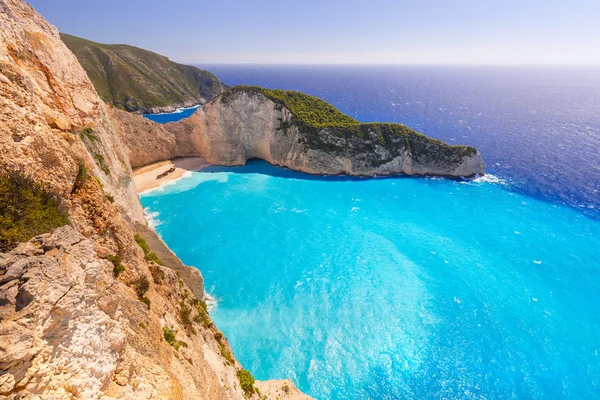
[157, 174]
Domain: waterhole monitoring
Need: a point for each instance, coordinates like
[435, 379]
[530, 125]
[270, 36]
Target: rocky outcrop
[234, 128]
[85, 312]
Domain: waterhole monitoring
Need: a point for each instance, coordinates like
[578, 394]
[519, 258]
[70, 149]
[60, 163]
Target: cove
[392, 288]
[179, 114]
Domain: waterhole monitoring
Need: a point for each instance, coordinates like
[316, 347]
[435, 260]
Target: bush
[88, 133]
[154, 258]
[170, 335]
[26, 210]
[146, 301]
[202, 317]
[117, 266]
[82, 175]
[141, 285]
[142, 243]
[148, 255]
[246, 381]
[185, 313]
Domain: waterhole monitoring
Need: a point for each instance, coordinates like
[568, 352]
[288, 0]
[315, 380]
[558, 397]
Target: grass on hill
[309, 110]
[135, 79]
[26, 210]
[313, 115]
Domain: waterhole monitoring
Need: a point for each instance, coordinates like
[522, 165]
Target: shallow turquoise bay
[392, 288]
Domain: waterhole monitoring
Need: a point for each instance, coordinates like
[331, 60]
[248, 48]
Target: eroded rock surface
[249, 125]
[72, 324]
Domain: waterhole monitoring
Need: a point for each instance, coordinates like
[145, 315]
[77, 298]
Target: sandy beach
[154, 175]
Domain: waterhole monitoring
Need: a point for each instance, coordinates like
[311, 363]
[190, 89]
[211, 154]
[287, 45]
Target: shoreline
[159, 173]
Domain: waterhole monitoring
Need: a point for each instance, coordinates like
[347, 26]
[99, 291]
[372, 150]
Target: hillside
[140, 80]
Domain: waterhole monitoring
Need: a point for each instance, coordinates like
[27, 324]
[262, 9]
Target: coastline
[147, 177]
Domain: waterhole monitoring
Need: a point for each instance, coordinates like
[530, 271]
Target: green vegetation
[82, 175]
[135, 79]
[185, 313]
[101, 163]
[88, 133]
[170, 335]
[148, 255]
[246, 381]
[202, 318]
[327, 129]
[308, 110]
[116, 262]
[26, 210]
[141, 285]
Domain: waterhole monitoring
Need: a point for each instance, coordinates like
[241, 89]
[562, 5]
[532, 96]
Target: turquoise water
[393, 288]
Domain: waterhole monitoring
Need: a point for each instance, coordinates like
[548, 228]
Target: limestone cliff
[86, 309]
[299, 132]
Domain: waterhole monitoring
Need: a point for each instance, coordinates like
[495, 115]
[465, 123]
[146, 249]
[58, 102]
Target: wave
[187, 181]
[211, 302]
[489, 178]
[152, 217]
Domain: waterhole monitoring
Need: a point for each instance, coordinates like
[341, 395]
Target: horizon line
[387, 64]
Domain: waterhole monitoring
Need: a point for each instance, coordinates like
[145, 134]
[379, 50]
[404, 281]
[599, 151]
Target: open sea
[411, 288]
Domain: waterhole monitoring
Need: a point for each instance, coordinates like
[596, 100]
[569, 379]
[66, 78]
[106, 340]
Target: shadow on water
[258, 166]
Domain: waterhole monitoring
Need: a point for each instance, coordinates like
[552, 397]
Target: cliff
[140, 80]
[92, 303]
[296, 131]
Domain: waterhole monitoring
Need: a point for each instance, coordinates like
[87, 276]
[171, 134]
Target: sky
[553, 32]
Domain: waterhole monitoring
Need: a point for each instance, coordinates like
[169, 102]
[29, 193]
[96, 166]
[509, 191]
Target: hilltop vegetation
[318, 118]
[307, 109]
[139, 80]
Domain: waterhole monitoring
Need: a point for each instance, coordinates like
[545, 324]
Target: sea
[412, 288]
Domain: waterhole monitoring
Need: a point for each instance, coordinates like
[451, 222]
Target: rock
[250, 125]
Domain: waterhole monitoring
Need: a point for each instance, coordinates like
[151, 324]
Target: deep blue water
[538, 128]
[398, 288]
[164, 118]
[404, 288]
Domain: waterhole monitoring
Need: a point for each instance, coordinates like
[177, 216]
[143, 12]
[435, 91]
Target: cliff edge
[296, 131]
[92, 304]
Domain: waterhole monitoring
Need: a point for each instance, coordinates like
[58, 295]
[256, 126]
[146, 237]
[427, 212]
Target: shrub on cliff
[148, 255]
[246, 381]
[26, 210]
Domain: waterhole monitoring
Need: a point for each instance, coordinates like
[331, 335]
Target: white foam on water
[537, 262]
[488, 178]
[211, 302]
[187, 181]
[152, 218]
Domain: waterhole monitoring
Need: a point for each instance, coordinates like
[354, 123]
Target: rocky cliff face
[86, 311]
[246, 124]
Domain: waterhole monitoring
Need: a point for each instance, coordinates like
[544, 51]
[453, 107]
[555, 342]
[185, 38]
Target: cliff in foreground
[92, 303]
[140, 80]
[296, 131]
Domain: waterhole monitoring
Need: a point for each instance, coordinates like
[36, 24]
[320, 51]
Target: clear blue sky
[336, 31]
